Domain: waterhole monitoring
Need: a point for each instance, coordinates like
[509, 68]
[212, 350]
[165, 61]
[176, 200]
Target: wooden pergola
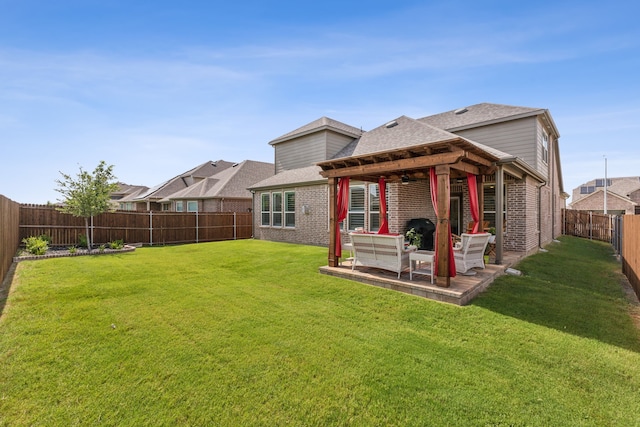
[451, 159]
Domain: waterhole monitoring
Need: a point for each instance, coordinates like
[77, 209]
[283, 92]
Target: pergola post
[480, 187]
[499, 213]
[333, 219]
[442, 226]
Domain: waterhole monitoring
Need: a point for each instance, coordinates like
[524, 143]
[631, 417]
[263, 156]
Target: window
[587, 189]
[166, 207]
[179, 206]
[265, 210]
[127, 206]
[490, 205]
[545, 146]
[374, 208]
[276, 210]
[600, 183]
[355, 214]
[192, 206]
[289, 209]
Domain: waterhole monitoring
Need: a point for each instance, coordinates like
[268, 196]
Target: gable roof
[323, 123]
[232, 182]
[600, 191]
[309, 175]
[622, 186]
[482, 114]
[184, 180]
[405, 132]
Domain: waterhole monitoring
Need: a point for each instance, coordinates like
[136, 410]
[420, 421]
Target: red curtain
[473, 201]
[384, 224]
[433, 181]
[343, 207]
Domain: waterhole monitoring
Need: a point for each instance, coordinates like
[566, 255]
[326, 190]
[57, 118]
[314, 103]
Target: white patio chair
[470, 252]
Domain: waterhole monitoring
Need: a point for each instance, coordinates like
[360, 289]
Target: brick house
[623, 196]
[513, 148]
[219, 186]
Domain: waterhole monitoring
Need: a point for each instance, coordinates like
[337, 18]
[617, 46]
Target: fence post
[150, 228]
[197, 228]
[235, 227]
[590, 225]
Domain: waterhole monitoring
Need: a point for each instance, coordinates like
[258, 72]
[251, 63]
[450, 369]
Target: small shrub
[46, 238]
[73, 249]
[36, 245]
[117, 244]
[101, 248]
[82, 241]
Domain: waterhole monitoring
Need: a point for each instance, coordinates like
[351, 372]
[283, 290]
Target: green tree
[88, 194]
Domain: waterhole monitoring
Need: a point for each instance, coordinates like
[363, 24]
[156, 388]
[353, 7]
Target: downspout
[253, 215]
[539, 187]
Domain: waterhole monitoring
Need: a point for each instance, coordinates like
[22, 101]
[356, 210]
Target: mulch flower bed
[23, 255]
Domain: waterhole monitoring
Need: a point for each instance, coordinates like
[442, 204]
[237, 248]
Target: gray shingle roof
[320, 124]
[406, 132]
[288, 178]
[478, 114]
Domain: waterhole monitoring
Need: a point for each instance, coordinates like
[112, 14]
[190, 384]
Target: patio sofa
[385, 251]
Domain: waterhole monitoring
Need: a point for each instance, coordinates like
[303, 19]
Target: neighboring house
[151, 199]
[226, 191]
[515, 148]
[623, 196]
[125, 194]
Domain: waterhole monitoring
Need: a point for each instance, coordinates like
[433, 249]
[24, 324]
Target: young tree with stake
[88, 194]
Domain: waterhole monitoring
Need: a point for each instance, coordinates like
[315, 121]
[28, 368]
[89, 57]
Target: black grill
[425, 228]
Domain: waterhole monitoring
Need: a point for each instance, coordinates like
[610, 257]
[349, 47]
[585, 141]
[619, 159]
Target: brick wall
[312, 228]
[595, 203]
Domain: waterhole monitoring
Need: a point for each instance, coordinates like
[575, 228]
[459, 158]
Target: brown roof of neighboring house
[323, 123]
[185, 179]
[232, 182]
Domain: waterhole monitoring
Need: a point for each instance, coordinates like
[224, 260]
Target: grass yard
[249, 333]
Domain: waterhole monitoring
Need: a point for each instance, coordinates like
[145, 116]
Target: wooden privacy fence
[147, 228]
[631, 250]
[590, 225]
[9, 237]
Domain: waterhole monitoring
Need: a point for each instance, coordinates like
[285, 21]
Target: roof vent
[461, 110]
[391, 124]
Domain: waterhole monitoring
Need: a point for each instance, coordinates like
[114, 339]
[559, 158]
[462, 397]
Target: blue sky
[158, 87]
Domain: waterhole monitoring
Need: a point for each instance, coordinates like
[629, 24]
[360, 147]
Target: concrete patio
[462, 290]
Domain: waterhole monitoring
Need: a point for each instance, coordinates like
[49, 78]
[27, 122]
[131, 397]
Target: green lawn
[249, 333]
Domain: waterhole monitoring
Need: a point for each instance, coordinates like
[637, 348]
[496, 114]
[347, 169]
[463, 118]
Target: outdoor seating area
[385, 251]
[461, 291]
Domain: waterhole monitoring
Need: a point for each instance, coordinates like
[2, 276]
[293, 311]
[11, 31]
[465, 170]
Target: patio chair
[485, 226]
[470, 252]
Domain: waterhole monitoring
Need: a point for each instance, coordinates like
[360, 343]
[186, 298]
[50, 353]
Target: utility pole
[605, 185]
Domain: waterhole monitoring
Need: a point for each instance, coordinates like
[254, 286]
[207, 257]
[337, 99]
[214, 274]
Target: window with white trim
[265, 209]
[166, 207]
[289, 209]
[490, 205]
[374, 207]
[276, 209]
[192, 206]
[179, 206]
[545, 146]
[355, 214]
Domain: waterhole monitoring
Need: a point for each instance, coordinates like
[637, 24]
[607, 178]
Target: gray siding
[300, 152]
[309, 150]
[517, 137]
[335, 143]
